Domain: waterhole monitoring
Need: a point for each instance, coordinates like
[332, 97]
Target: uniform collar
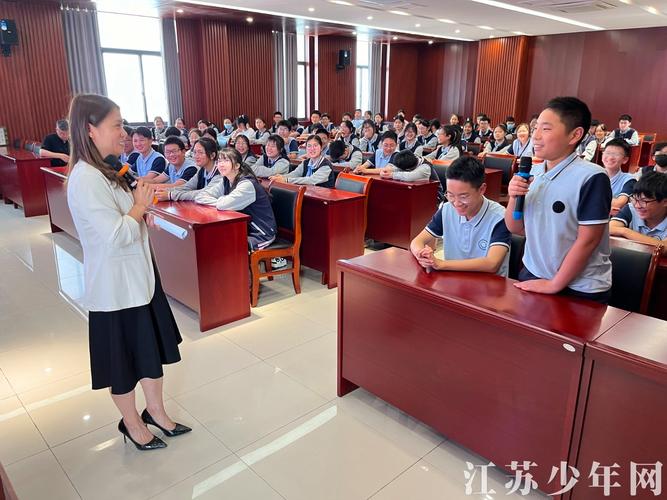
[554, 172]
[478, 216]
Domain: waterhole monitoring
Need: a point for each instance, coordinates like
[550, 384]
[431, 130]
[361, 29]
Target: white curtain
[172, 69]
[279, 71]
[376, 77]
[84, 55]
[291, 97]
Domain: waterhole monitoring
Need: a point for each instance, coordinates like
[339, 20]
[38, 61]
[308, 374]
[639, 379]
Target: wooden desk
[657, 307]
[332, 225]
[208, 270]
[398, 211]
[21, 180]
[624, 399]
[56, 199]
[490, 366]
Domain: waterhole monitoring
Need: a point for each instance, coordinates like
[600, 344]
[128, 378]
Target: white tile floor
[260, 395]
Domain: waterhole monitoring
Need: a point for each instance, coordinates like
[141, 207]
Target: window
[363, 72]
[133, 65]
[302, 68]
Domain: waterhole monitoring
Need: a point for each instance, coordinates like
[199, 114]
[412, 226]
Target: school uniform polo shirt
[574, 193]
[622, 184]
[187, 171]
[471, 239]
[628, 216]
[380, 160]
[154, 162]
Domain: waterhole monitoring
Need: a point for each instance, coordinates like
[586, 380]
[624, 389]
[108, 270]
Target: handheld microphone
[122, 171]
[524, 171]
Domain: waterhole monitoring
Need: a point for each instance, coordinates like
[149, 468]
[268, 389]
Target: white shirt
[117, 266]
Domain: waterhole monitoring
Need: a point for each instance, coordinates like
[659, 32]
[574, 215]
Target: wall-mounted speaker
[344, 57]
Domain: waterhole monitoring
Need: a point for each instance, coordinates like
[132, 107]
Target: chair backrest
[441, 171]
[648, 136]
[501, 162]
[635, 152]
[353, 183]
[473, 147]
[633, 267]
[516, 256]
[286, 201]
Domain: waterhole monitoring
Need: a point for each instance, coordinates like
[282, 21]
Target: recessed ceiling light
[430, 42]
[485, 28]
[307, 27]
[370, 18]
[652, 10]
[523, 10]
[457, 31]
[311, 9]
[627, 2]
[340, 2]
[448, 21]
[491, 36]
[249, 19]
[394, 38]
[354, 32]
[399, 12]
[418, 25]
[518, 32]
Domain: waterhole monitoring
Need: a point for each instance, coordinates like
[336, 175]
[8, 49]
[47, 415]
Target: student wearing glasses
[472, 227]
[644, 219]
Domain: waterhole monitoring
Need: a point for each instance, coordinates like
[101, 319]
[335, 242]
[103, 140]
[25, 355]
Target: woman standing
[132, 331]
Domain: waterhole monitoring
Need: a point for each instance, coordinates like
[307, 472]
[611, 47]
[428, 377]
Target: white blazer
[117, 265]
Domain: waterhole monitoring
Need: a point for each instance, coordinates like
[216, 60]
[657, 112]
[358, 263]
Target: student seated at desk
[325, 121]
[129, 155]
[566, 212]
[241, 191]
[56, 146]
[625, 131]
[159, 129]
[384, 155]
[428, 138]
[315, 170]
[277, 118]
[472, 226]
[242, 128]
[179, 169]
[614, 156]
[469, 135]
[291, 144]
[370, 140]
[485, 132]
[193, 136]
[589, 146]
[408, 167]
[297, 130]
[644, 219]
[378, 120]
[346, 133]
[274, 160]
[326, 139]
[211, 134]
[149, 163]
[522, 145]
[345, 155]
[411, 141]
[449, 146]
[660, 158]
[242, 145]
[315, 118]
[205, 155]
[261, 133]
[180, 125]
[499, 143]
[357, 120]
[399, 127]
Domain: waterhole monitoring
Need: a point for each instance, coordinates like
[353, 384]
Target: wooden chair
[633, 163]
[634, 266]
[501, 162]
[286, 200]
[474, 148]
[355, 184]
[647, 136]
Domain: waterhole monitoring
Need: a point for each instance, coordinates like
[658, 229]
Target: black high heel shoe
[176, 431]
[154, 444]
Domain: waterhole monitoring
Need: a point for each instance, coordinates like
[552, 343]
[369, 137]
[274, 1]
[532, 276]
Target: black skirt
[131, 344]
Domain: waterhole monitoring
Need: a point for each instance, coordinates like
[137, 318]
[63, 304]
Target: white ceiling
[468, 15]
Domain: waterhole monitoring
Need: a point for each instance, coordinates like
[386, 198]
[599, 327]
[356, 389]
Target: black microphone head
[113, 162]
[525, 164]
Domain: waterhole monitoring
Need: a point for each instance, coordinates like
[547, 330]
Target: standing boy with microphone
[566, 210]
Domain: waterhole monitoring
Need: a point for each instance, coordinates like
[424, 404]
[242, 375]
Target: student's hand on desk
[277, 178]
[538, 286]
[518, 186]
[64, 157]
[386, 173]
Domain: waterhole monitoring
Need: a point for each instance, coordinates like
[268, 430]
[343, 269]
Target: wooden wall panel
[429, 80]
[188, 33]
[34, 84]
[614, 72]
[502, 65]
[403, 68]
[336, 88]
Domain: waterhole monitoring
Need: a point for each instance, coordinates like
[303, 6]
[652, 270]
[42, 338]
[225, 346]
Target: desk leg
[344, 386]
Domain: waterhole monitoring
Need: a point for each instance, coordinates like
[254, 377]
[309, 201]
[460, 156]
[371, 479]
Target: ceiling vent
[568, 6]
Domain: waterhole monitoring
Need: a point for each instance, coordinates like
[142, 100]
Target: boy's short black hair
[484, 118]
[143, 131]
[293, 121]
[625, 117]
[337, 149]
[620, 143]
[405, 160]
[389, 134]
[652, 185]
[509, 119]
[320, 130]
[466, 169]
[659, 146]
[129, 130]
[285, 123]
[435, 123]
[595, 123]
[174, 139]
[325, 115]
[316, 112]
[573, 112]
[424, 122]
[277, 113]
[172, 131]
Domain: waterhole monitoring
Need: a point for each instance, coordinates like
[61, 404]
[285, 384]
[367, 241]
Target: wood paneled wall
[220, 72]
[500, 89]
[336, 87]
[34, 84]
[614, 72]
[403, 75]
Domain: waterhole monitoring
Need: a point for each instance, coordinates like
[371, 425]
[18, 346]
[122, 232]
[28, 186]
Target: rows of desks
[511, 375]
[21, 181]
